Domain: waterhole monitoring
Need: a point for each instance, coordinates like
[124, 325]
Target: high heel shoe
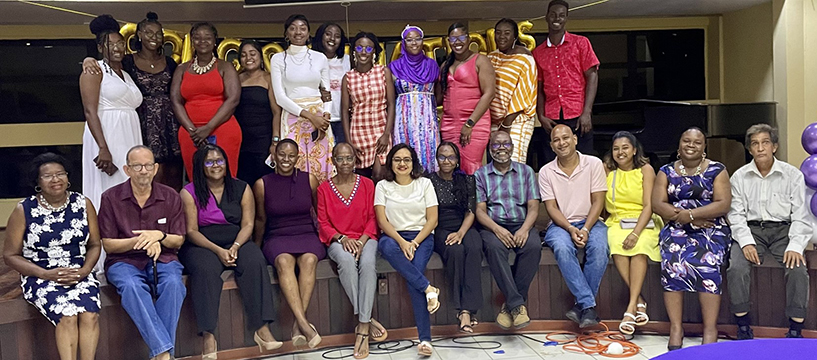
[299, 339]
[211, 356]
[266, 345]
[315, 340]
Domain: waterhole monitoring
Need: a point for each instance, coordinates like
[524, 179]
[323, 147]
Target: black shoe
[794, 334]
[589, 318]
[745, 333]
[574, 313]
[673, 347]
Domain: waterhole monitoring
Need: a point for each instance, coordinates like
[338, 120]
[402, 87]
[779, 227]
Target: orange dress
[203, 95]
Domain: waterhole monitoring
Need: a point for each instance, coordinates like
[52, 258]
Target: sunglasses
[496, 146]
[211, 163]
[461, 38]
[367, 49]
[452, 159]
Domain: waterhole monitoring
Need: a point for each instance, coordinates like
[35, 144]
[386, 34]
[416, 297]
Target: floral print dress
[55, 239]
[691, 257]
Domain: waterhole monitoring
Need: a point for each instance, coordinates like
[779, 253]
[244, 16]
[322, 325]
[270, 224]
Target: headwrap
[419, 68]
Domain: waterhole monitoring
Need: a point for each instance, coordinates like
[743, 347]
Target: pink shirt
[572, 193]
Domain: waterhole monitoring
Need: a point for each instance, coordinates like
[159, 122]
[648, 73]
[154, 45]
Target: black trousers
[585, 145]
[514, 281]
[463, 268]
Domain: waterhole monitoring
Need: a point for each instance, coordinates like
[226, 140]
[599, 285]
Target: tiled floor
[513, 348]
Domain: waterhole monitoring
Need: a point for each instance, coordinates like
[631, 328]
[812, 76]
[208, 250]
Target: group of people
[331, 155]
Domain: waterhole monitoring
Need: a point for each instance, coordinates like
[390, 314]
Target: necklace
[44, 203]
[298, 61]
[684, 170]
[151, 62]
[201, 69]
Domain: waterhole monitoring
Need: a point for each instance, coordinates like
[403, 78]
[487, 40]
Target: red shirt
[561, 69]
[352, 217]
[120, 214]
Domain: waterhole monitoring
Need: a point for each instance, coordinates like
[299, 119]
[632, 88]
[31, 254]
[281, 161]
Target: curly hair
[416, 167]
[42, 159]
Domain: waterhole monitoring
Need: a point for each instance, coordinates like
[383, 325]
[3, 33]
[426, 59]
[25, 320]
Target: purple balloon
[809, 139]
[809, 169]
[814, 205]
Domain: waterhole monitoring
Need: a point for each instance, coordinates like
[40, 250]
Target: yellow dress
[628, 204]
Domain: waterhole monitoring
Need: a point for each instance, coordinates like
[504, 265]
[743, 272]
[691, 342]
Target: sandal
[433, 300]
[358, 354]
[425, 349]
[641, 317]
[376, 325]
[627, 327]
[474, 321]
[298, 339]
[467, 328]
[315, 340]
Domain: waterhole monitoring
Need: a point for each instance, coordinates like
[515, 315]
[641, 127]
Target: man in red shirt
[568, 78]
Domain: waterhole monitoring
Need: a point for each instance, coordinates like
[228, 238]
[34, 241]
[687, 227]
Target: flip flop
[425, 349]
[374, 324]
[358, 346]
[627, 327]
[641, 317]
[433, 301]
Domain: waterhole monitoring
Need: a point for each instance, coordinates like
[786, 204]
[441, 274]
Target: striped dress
[515, 92]
[368, 123]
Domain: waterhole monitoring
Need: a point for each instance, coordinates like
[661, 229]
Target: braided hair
[150, 18]
[373, 38]
[459, 178]
[101, 27]
[450, 60]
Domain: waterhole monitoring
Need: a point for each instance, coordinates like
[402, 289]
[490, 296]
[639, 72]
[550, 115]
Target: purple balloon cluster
[809, 166]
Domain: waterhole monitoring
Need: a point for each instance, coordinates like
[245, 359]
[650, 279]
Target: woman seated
[52, 240]
[632, 230]
[347, 226]
[284, 202]
[406, 209]
[455, 239]
[220, 211]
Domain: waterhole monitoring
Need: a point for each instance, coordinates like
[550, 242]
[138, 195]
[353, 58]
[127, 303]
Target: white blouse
[406, 204]
[298, 73]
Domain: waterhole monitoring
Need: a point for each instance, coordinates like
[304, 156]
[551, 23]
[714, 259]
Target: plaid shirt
[368, 122]
[561, 69]
[506, 195]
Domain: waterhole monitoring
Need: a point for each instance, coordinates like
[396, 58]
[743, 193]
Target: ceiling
[233, 11]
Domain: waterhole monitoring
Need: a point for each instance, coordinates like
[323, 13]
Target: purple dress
[691, 257]
[291, 227]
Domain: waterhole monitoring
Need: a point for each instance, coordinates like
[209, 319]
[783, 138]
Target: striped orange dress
[368, 123]
[515, 92]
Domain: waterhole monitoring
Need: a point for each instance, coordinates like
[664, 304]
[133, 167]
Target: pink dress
[461, 98]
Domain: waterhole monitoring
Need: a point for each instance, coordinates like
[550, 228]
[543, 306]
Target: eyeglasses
[402, 160]
[60, 175]
[497, 146]
[151, 34]
[452, 159]
[139, 167]
[211, 163]
[461, 38]
[119, 44]
[344, 159]
[413, 40]
[367, 49]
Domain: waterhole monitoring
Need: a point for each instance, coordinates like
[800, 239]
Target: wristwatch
[470, 123]
[276, 139]
[164, 236]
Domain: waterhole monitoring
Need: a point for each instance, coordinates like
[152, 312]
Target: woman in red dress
[205, 92]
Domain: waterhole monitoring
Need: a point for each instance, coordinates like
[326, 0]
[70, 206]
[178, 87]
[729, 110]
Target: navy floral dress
[691, 257]
[55, 239]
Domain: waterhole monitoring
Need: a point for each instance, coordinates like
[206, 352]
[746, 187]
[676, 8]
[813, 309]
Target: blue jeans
[156, 321]
[337, 131]
[412, 271]
[583, 284]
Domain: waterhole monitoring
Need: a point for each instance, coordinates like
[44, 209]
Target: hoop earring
[38, 189]
[69, 185]
[678, 155]
[703, 156]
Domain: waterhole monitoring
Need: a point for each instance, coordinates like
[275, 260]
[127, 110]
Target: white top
[337, 68]
[406, 204]
[299, 73]
[780, 196]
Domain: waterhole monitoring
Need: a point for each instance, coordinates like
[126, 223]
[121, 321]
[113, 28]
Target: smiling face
[214, 165]
[556, 18]
[563, 141]
[286, 155]
[204, 40]
[331, 39]
[250, 58]
[413, 42]
[692, 145]
[344, 159]
[504, 36]
[623, 152]
[761, 147]
[298, 32]
[501, 147]
[402, 163]
[362, 54]
[53, 179]
[447, 159]
[114, 50]
[459, 40]
[151, 37]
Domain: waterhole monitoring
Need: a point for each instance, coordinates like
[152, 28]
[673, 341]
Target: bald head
[559, 130]
[563, 141]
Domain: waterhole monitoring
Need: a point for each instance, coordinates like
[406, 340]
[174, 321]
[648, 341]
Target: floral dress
[415, 121]
[56, 239]
[691, 257]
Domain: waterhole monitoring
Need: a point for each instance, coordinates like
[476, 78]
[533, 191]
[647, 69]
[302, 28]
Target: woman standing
[152, 72]
[368, 95]
[406, 209]
[693, 196]
[415, 120]
[205, 93]
[297, 75]
[257, 113]
[52, 240]
[632, 230]
[110, 100]
[467, 86]
[455, 238]
[284, 202]
[220, 211]
[348, 227]
[332, 43]
[513, 108]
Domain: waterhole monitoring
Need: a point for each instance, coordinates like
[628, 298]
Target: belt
[765, 224]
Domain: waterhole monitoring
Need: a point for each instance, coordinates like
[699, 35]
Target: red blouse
[352, 217]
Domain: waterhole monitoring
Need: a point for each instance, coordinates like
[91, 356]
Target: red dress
[203, 95]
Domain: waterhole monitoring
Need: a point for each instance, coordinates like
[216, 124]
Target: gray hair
[761, 128]
[137, 147]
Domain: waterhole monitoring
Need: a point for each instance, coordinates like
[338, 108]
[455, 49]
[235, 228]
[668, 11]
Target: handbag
[628, 223]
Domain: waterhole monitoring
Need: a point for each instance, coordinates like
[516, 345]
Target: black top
[225, 234]
[162, 87]
[254, 115]
[456, 198]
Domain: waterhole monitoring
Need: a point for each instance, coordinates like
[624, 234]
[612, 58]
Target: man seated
[768, 215]
[507, 207]
[573, 187]
[142, 226]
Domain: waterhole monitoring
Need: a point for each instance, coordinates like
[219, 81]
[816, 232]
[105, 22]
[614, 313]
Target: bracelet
[276, 138]
[634, 234]
[237, 243]
[340, 238]
[585, 229]
[691, 218]
[502, 125]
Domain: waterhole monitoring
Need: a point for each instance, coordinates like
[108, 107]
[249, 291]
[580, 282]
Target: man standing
[769, 214]
[568, 78]
[573, 188]
[142, 226]
[507, 207]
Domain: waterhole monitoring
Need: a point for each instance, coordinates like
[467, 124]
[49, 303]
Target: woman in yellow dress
[632, 229]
